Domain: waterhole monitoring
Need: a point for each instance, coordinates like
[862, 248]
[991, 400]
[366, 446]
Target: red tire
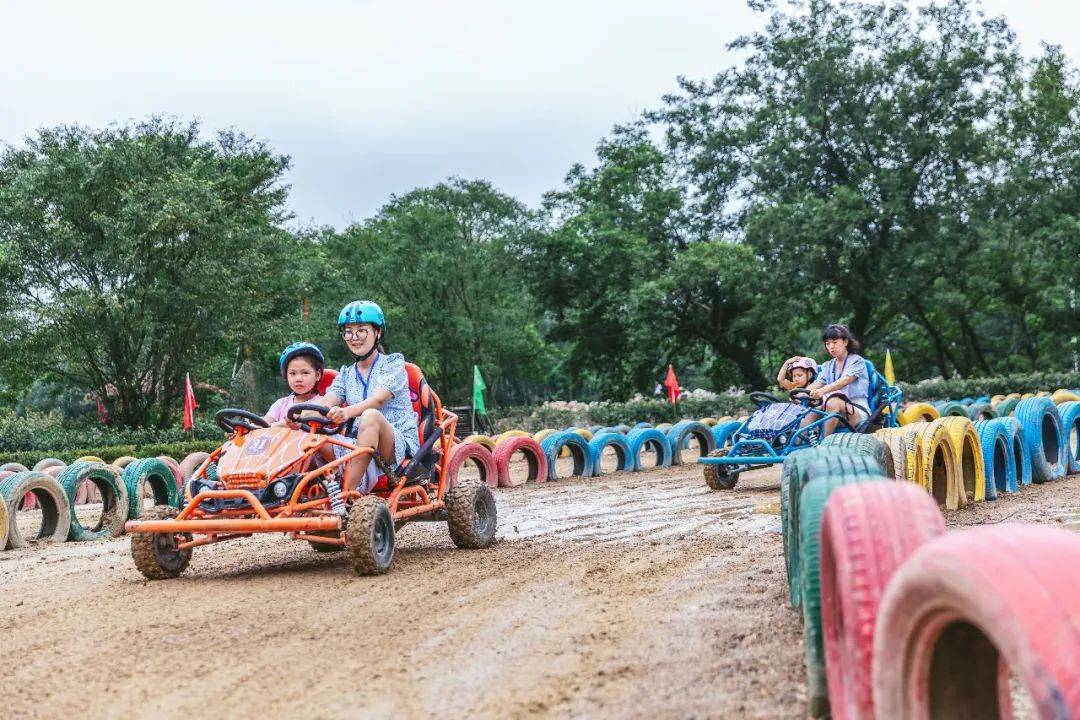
[968, 607]
[534, 456]
[29, 502]
[178, 473]
[867, 531]
[82, 492]
[477, 453]
[192, 463]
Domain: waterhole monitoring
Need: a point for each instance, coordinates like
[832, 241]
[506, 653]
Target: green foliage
[52, 432]
[954, 389]
[178, 451]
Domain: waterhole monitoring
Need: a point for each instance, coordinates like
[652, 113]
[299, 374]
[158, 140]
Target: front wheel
[471, 515]
[156, 554]
[369, 538]
[720, 477]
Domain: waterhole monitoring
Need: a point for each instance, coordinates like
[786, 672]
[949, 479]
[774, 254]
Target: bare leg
[375, 432]
[834, 405]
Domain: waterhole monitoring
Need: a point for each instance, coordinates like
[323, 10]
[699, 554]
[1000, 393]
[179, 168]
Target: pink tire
[479, 455]
[970, 606]
[177, 472]
[29, 502]
[867, 531]
[82, 492]
[533, 454]
[192, 462]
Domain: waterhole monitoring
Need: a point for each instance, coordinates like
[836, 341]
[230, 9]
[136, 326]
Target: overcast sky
[375, 98]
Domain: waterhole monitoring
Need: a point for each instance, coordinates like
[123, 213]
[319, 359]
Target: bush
[177, 451]
[955, 389]
[51, 433]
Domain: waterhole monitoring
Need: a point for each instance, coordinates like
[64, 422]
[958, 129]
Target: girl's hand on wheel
[338, 415]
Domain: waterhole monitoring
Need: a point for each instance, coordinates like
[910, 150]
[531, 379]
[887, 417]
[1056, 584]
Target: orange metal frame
[304, 513]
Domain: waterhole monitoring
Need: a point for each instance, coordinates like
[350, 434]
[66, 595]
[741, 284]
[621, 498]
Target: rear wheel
[155, 554]
[369, 538]
[720, 477]
[471, 515]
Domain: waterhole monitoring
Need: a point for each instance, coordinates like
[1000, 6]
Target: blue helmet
[299, 348]
[361, 311]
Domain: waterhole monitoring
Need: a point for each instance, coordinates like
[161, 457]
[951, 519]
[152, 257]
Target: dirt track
[630, 595]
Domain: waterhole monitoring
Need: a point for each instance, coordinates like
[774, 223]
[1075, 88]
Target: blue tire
[997, 463]
[614, 440]
[1044, 438]
[1018, 454]
[649, 439]
[722, 432]
[1070, 425]
[596, 429]
[680, 433]
[552, 445]
[981, 411]
[622, 428]
[982, 399]
[642, 425]
[967, 401]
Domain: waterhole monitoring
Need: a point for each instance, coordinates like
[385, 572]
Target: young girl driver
[374, 389]
[301, 364]
[844, 379]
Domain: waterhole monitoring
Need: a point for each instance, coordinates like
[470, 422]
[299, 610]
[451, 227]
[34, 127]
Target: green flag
[478, 388]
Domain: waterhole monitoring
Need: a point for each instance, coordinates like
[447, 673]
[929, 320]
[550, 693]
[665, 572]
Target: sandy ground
[628, 595]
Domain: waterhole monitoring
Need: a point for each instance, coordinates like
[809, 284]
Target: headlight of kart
[783, 439]
[280, 489]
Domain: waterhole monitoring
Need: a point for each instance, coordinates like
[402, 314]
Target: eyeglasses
[355, 334]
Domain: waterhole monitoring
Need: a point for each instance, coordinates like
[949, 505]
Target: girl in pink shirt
[301, 365]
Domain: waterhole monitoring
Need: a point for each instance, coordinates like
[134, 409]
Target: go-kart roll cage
[306, 515]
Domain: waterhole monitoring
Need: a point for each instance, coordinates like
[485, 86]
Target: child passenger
[301, 364]
[796, 373]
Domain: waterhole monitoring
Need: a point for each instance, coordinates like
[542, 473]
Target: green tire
[814, 495]
[114, 500]
[864, 445]
[156, 474]
[1005, 407]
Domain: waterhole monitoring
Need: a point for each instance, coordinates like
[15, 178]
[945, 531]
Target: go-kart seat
[875, 398]
[418, 467]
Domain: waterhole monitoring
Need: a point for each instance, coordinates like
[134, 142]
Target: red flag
[672, 384]
[189, 404]
[103, 414]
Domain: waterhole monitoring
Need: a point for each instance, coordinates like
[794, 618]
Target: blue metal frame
[743, 446]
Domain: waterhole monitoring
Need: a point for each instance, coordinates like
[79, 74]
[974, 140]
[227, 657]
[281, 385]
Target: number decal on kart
[257, 446]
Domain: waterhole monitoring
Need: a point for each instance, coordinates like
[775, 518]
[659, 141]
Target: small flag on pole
[890, 374]
[672, 384]
[189, 404]
[103, 414]
[478, 388]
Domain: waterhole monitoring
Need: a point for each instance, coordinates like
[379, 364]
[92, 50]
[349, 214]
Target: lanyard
[837, 374]
[360, 378]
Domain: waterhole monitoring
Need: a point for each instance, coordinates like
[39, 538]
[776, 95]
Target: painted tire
[1070, 427]
[46, 463]
[664, 427]
[970, 603]
[893, 440]
[1063, 396]
[681, 433]
[14, 467]
[510, 434]
[583, 432]
[799, 469]
[480, 455]
[480, 440]
[995, 443]
[177, 471]
[616, 441]
[114, 497]
[723, 431]
[649, 439]
[969, 457]
[641, 425]
[710, 421]
[153, 475]
[867, 531]
[530, 450]
[940, 470]
[1007, 406]
[863, 445]
[953, 409]
[90, 458]
[1020, 459]
[124, 460]
[981, 411]
[1044, 438]
[812, 501]
[576, 445]
[622, 428]
[5, 524]
[540, 435]
[55, 509]
[918, 412]
[191, 463]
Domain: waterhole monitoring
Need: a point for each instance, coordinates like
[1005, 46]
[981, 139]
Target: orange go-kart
[270, 479]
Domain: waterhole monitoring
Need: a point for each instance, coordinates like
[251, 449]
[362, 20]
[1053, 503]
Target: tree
[129, 254]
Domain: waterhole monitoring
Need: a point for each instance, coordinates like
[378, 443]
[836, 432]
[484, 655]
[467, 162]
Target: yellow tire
[940, 474]
[1063, 395]
[969, 457]
[482, 440]
[912, 437]
[1013, 395]
[1025, 396]
[708, 421]
[91, 458]
[583, 432]
[1042, 393]
[724, 418]
[510, 434]
[123, 461]
[893, 440]
[541, 434]
[995, 400]
[918, 412]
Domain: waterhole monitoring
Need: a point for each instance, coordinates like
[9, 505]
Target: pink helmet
[804, 363]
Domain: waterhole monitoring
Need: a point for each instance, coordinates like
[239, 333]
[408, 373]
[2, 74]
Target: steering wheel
[761, 398]
[803, 395]
[233, 419]
[317, 423]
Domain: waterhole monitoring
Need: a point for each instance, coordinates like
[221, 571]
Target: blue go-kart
[778, 428]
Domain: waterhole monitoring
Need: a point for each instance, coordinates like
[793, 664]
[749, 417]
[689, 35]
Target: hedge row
[999, 385]
[110, 452]
[51, 432]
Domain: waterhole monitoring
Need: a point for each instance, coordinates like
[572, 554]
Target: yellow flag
[890, 375]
